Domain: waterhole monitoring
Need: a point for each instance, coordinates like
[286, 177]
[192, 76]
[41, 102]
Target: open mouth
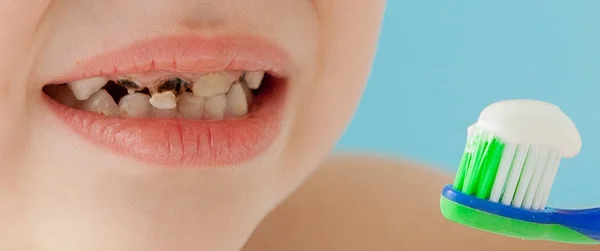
[207, 96]
[219, 104]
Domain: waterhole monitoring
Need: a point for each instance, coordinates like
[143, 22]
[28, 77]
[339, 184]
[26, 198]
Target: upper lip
[170, 142]
[184, 54]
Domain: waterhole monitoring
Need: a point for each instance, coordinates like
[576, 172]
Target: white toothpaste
[531, 122]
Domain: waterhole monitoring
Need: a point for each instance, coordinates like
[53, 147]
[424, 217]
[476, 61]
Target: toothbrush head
[505, 176]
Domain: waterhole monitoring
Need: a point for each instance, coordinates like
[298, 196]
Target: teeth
[215, 106]
[83, 89]
[175, 85]
[238, 99]
[148, 77]
[101, 102]
[212, 84]
[190, 106]
[235, 76]
[213, 96]
[135, 105]
[63, 95]
[165, 100]
[254, 79]
[164, 113]
[131, 86]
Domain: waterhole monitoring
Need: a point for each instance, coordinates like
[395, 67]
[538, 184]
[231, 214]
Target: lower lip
[183, 143]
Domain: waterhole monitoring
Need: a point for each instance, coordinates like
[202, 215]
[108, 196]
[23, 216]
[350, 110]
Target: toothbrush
[506, 173]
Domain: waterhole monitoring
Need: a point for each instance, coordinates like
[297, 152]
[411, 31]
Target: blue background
[441, 62]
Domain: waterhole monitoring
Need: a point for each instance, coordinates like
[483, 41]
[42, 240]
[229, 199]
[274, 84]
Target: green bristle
[492, 163]
[460, 174]
[479, 165]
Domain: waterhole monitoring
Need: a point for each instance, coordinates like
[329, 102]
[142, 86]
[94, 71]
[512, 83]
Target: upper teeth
[63, 95]
[211, 85]
[253, 79]
[164, 100]
[131, 86]
[212, 95]
[83, 89]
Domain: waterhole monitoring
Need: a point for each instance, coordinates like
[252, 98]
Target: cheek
[18, 23]
[346, 53]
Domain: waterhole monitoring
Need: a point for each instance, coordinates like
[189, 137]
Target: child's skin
[59, 191]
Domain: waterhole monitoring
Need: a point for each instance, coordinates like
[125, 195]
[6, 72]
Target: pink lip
[184, 143]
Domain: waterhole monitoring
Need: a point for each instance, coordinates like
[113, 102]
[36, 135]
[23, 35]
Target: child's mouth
[208, 96]
[209, 102]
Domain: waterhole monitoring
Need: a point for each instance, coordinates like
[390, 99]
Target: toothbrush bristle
[518, 175]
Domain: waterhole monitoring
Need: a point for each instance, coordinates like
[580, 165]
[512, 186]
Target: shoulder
[358, 202]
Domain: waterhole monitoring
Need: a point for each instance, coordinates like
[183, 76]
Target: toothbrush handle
[572, 226]
[585, 221]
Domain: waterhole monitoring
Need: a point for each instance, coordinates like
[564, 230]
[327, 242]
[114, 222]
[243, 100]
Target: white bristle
[514, 174]
[541, 162]
[545, 183]
[525, 176]
[503, 168]
[550, 182]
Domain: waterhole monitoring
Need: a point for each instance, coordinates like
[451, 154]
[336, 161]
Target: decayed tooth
[135, 105]
[131, 86]
[190, 106]
[254, 79]
[101, 102]
[63, 95]
[83, 89]
[164, 100]
[175, 85]
[148, 77]
[212, 84]
[238, 99]
[215, 106]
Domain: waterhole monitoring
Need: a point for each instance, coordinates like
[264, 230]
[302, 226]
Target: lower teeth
[215, 107]
[135, 105]
[190, 106]
[101, 102]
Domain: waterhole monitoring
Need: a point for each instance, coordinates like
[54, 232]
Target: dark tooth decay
[176, 85]
[128, 84]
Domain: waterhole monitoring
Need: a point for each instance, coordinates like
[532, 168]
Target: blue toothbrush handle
[584, 221]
